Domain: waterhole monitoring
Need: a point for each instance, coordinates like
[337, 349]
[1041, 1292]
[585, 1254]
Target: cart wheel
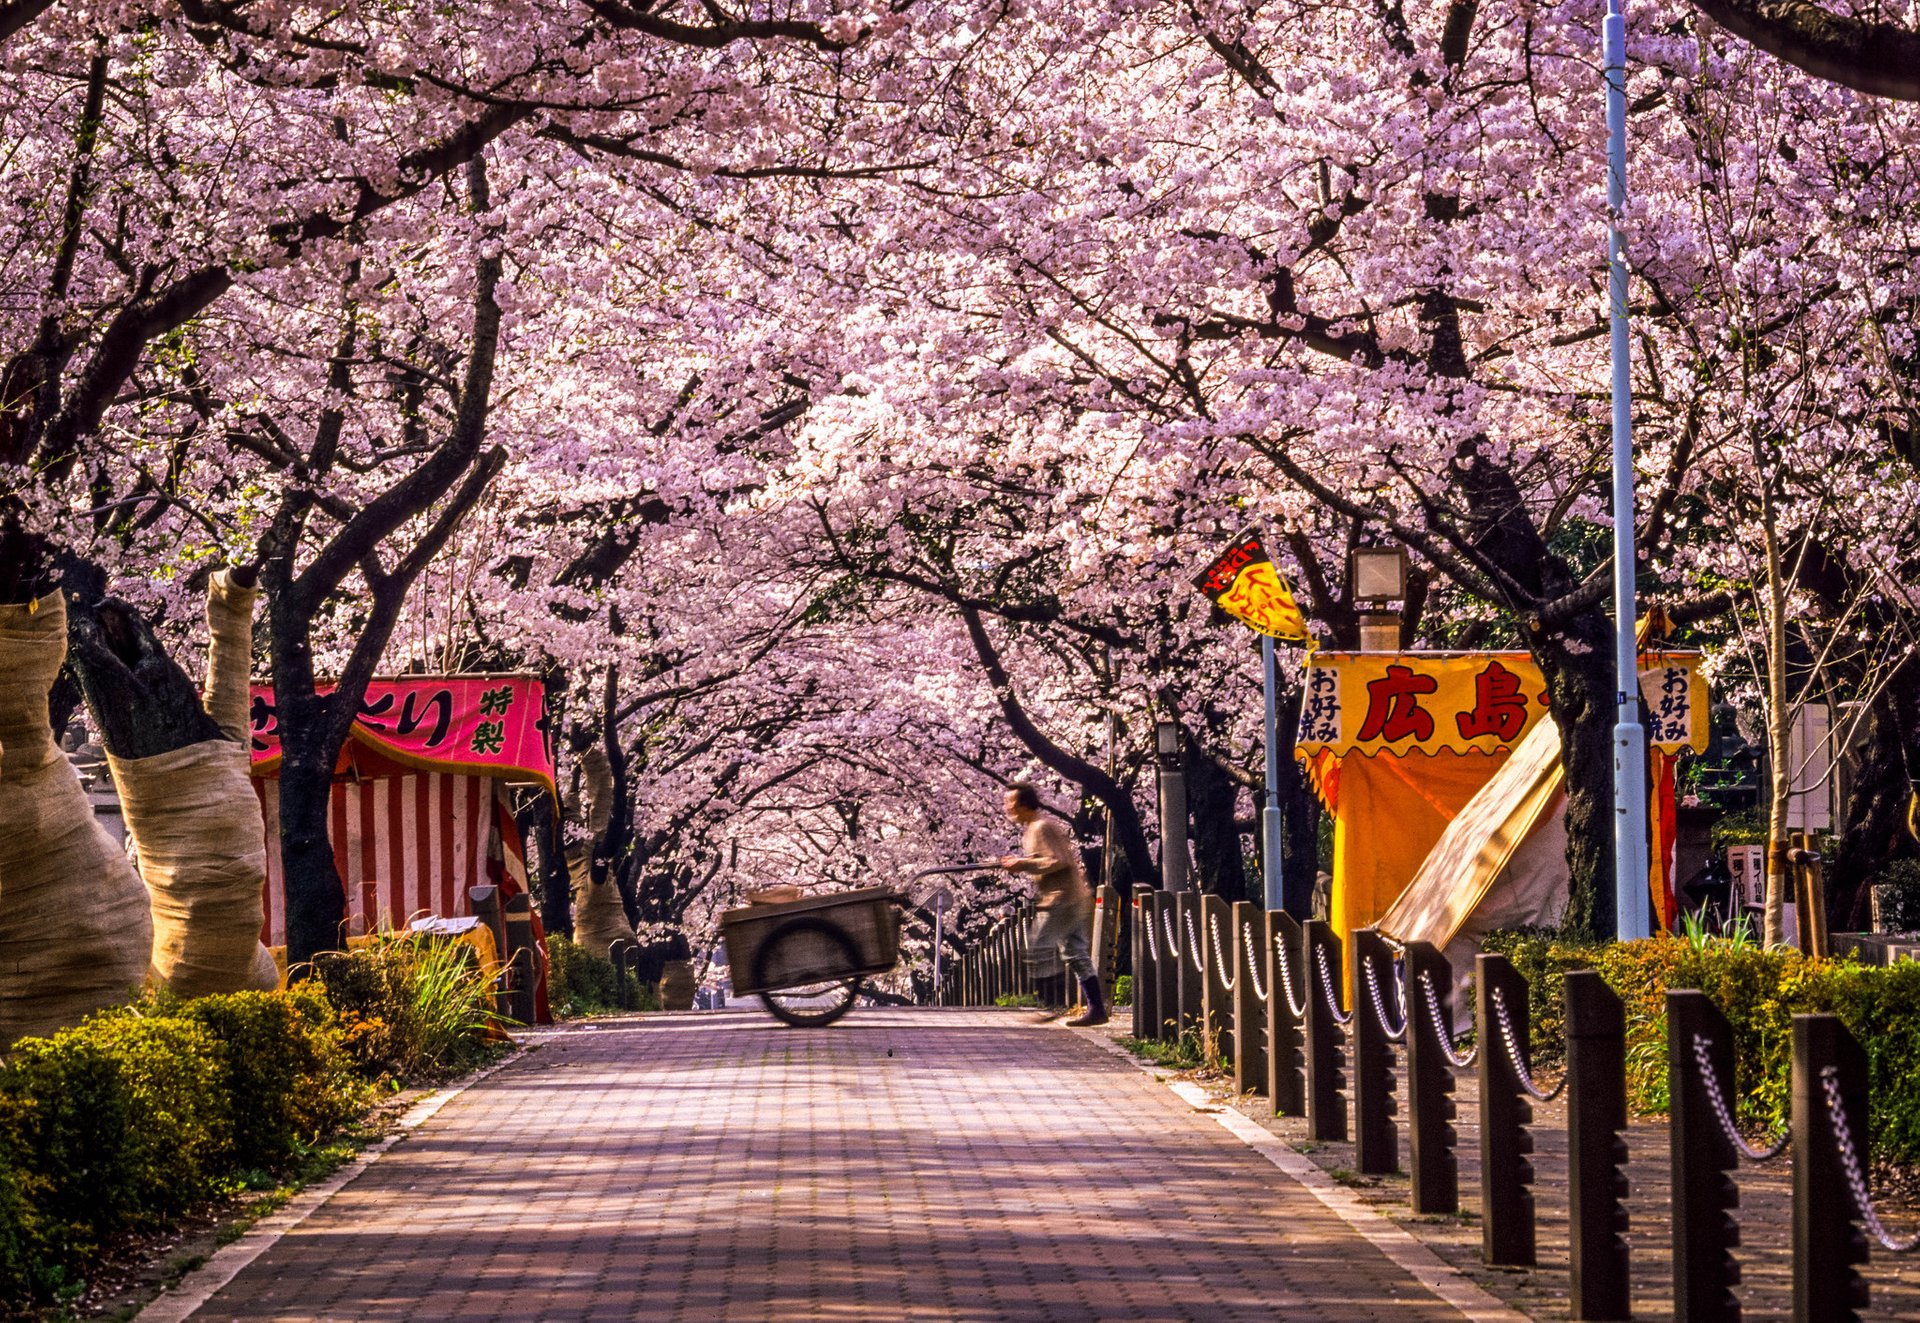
[811, 948]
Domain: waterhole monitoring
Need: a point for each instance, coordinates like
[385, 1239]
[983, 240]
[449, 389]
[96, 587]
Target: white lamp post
[1632, 906]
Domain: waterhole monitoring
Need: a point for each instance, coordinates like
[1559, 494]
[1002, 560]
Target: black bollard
[1506, 1174]
[1828, 1243]
[1193, 971]
[1596, 1148]
[1376, 1139]
[522, 960]
[1286, 1014]
[1326, 1107]
[1704, 1157]
[617, 957]
[1166, 929]
[1249, 958]
[1143, 971]
[1216, 975]
[1428, 982]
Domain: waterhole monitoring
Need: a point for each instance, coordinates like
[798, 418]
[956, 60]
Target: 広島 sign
[1405, 702]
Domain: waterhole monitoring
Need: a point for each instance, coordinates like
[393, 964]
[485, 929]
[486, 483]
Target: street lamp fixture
[1166, 738]
[1377, 575]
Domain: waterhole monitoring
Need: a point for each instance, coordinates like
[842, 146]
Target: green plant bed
[1016, 1000]
[142, 1113]
[1123, 990]
[1760, 992]
[1181, 1054]
[578, 981]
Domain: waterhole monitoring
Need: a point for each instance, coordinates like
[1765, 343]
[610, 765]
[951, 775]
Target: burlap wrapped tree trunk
[75, 932]
[599, 917]
[196, 826]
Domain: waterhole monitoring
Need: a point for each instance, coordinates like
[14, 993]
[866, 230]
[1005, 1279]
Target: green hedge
[578, 981]
[1760, 992]
[143, 1112]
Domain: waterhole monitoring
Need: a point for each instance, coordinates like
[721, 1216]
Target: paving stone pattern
[900, 1165]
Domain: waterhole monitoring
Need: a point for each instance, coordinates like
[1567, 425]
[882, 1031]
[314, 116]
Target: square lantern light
[1377, 575]
[1166, 738]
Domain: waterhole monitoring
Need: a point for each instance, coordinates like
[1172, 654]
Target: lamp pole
[1173, 808]
[1270, 822]
[1631, 904]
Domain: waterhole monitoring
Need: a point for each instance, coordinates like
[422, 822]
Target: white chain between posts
[1369, 977]
[1153, 947]
[1253, 965]
[1169, 933]
[1850, 1165]
[1194, 952]
[1220, 961]
[1326, 986]
[1703, 1058]
[1444, 1031]
[1298, 1008]
[1512, 1041]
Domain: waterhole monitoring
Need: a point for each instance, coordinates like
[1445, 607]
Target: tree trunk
[1212, 798]
[1779, 728]
[1876, 827]
[1580, 689]
[540, 826]
[316, 897]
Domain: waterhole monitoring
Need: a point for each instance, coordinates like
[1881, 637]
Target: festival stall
[420, 803]
[1410, 754]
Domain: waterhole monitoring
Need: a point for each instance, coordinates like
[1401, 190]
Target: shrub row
[579, 982]
[144, 1112]
[1760, 992]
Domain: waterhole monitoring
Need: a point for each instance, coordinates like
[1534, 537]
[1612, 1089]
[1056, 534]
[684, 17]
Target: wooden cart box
[868, 917]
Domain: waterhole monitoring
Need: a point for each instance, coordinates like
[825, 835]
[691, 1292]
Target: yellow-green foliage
[410, 1007]
[1759, 992]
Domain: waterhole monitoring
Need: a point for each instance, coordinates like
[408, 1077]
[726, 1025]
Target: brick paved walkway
[903, 1164]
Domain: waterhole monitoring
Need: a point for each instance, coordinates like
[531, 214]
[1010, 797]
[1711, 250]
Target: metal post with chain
[1376, 1137]
[1705, 1151]
[1326, 1080]
[1286, 1014]
[1435, 1168]
[1506, 1171]
[1246, 957]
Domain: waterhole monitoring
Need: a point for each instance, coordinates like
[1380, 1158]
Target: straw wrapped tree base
[599, 916]
[190, 808]
[75, 932]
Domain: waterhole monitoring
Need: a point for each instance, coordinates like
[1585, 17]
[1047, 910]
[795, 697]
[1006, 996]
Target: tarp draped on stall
[419, 805]
[1413, 754]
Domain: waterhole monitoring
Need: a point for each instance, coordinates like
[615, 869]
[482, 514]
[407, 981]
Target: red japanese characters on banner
[1429, 702]
[484, 725]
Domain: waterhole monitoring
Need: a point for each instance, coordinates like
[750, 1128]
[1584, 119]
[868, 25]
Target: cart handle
[952, 868]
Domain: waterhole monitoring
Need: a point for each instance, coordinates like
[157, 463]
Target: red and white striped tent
[419, 805]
